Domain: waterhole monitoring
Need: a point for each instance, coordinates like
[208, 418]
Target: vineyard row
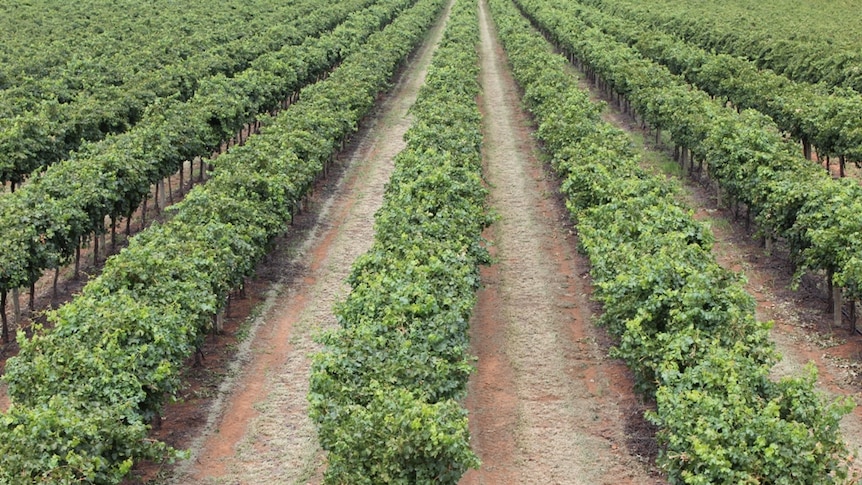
[387, 390]
[83, 392]
[685, 325]
[814, 42]
[830, 121]
[43, 224]
[75, 113]
[820, 219]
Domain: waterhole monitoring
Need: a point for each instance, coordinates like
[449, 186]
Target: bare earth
[546, 404]
[260, 432]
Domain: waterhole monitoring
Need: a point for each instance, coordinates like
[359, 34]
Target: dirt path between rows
[802, 330]
[260, 432]
[546, 404]
[4, 398]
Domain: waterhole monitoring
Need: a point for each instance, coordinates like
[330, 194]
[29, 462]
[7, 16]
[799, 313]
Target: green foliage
[397, 438]
[70, 441]
[384, 392]
[745, 152]
[69, 200]
[100, 79]
[748, 429]
[686, 327]
[84, 391]
[816, 42]
[828, 119]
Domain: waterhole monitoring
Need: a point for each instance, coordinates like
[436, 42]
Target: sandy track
[260, 432]
[546, 405]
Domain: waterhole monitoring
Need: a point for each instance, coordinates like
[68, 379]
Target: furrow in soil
[546, 404]
[261, 433]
